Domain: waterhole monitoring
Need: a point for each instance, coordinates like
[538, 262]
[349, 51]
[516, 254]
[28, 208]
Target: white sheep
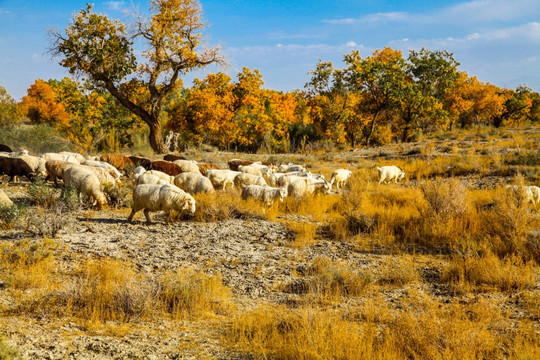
[86, 183]
[60, 157]
[149, 178]
[299, 186]
[253, 169]
[244, 179]
[264, 193]
[104, 175]
[188, 166]
[291, 167]
[80, 158]
[220, 178]
[162, 175]
[138, 171]
[296, 186]
[531, 193]
[151, 198]
[193, 183]
[104, 165]
[340, 177]
[37, 164]
[19, 153]
[389, 173]
[4, 199]
[317, 185]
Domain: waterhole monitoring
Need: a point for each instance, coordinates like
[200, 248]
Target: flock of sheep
[168, 184]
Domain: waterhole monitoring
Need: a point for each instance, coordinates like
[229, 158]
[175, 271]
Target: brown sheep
[172, 157]
[5, 148]
[204, 167]
[121, 162]
[141, 161]
[55, 169]
[167, 167]
[235, 163]
[15, 167]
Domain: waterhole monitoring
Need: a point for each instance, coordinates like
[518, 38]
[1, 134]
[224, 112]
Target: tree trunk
[372, 128]
[155, 138]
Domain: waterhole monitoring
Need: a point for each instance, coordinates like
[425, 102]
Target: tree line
[373, 100]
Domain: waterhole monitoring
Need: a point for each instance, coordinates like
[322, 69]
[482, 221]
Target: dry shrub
[321, 208]
[454, 332]
[102, 290]
[489, 273]
[308, 333]
[28, 264]
[427, 331]
[186, 293]
[512, 224]
[305, 232]
[41, 193]
[530, 301]
[328, 279]
[118, 196]
[445, 199]
[226, 205]
[397, 271]
[49, 221]
[107, 289]
[445, 217]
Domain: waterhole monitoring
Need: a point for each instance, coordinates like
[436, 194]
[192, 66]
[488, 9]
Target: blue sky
[496, 40]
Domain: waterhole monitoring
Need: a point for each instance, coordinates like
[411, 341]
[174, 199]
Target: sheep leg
[130, 217]
[147, 216]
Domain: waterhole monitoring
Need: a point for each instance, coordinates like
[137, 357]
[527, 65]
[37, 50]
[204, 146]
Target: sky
[496, 40]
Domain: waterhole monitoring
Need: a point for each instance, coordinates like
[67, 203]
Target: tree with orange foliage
[485, 102]
[41, 107]
[102, 51]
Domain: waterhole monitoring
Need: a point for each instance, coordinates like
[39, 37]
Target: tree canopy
[103, 52]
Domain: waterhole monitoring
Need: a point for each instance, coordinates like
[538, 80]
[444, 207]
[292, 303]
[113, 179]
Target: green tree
[380, 79]
[419, 99]
[331, 102]
[102, 51]
[9, 112]
[516, 107]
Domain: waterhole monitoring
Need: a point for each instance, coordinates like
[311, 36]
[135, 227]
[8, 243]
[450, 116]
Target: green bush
[40, 193]
[11, 214]
[36, 139]
[7, 352]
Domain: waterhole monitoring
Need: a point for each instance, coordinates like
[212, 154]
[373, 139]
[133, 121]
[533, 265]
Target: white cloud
[506, 57]
[115, 5]
[281, 35]
[372, 18]
[479, 11]
[491, 10]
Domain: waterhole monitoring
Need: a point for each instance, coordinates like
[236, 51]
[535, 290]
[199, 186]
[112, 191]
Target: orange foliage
[41, 107]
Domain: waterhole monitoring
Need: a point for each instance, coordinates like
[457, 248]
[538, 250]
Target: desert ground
[441, 265]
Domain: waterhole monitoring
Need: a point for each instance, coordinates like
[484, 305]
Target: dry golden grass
[106, 289]
[377, 331]
[489, 273]
[28, 264]
[483, 244]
